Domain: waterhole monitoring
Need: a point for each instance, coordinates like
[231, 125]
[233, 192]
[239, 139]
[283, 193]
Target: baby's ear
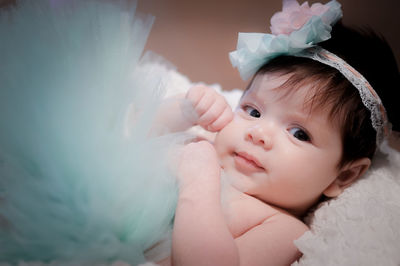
[347, 176]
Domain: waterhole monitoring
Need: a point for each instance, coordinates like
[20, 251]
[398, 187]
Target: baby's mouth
[248, 161]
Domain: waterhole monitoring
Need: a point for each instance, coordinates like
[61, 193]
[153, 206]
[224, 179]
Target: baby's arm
[201, 106]
[201, 235]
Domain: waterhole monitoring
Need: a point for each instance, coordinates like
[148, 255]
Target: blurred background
[196, 36]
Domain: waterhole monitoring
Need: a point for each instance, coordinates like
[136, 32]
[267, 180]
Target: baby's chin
[237, 180]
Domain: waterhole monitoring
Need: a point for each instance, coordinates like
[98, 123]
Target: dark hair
[370, 54]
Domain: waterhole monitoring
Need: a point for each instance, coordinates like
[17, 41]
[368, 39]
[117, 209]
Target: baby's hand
[199, 163]
[214, 113]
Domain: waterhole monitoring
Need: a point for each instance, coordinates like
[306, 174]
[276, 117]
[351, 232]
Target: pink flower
[294, 16]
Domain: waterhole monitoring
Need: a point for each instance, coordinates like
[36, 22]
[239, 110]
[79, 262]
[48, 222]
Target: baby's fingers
[198, 162]
[213, 113]
[211, 107]
[222, 120]
[201, 98]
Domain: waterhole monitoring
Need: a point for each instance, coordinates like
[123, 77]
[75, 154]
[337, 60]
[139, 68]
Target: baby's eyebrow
[248, 98]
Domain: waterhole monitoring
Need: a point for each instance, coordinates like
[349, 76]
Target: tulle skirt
[79, 182]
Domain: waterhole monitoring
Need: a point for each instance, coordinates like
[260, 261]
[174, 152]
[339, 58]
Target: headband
[296, 31]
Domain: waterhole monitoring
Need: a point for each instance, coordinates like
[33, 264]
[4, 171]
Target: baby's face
[276, 149]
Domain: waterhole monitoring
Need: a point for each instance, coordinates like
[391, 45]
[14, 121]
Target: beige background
[196, 36]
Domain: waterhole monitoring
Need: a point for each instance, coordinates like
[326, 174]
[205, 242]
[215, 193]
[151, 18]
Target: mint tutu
[80, 183]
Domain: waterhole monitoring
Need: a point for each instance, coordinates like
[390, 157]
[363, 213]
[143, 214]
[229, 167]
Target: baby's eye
[299, 134]
[251, 111]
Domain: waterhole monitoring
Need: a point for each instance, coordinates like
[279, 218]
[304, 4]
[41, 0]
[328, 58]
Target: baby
[74, 190]
[301, 133]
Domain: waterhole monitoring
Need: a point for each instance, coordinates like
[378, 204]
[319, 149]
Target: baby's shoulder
[287, 222]
[249, 213]
[271, 215]
[284, 228]
[283, 216]
[274, 220]
[273, 240]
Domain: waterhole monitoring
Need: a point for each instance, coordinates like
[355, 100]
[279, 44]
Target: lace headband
[368, 95]
[296, 31]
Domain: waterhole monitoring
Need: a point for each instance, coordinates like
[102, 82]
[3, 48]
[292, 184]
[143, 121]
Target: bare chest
[243, 212]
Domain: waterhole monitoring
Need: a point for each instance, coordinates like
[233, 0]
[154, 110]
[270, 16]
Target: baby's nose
[258, 136]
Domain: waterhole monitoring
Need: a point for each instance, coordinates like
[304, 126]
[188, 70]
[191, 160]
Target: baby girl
[74, 190]
[301, 133]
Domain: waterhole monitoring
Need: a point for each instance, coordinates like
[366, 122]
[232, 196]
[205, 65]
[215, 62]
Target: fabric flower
[295, 28]
[294, 16]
